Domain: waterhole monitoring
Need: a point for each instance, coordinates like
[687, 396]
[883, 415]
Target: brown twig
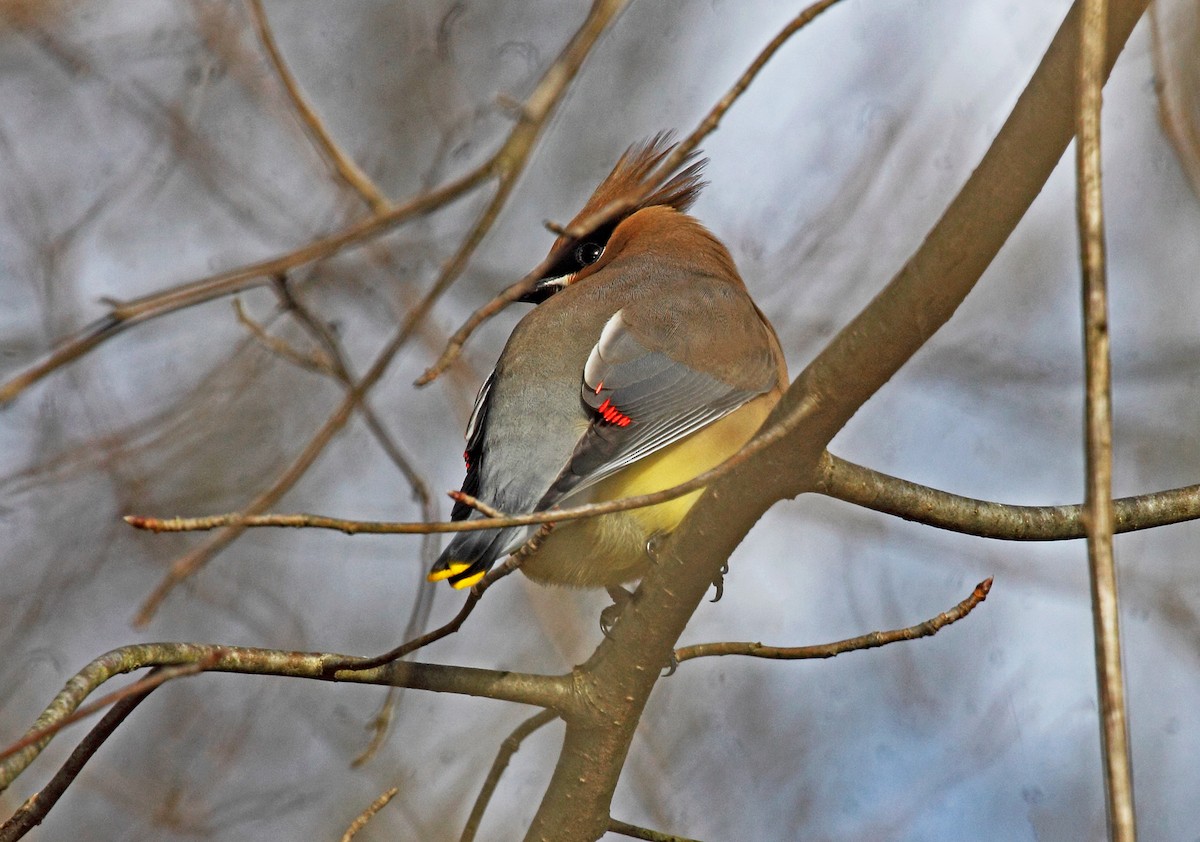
[506, 165]
[140, 687]
[366, 815]
[1098, 503]
[510, 565]
[507, 749]
[131, 313]
[614, 209]
[30, 814]
[410, 646]
[835, 477]
[539, 690]
[475, 503]
[871, 640]
[635, 832]
[1176, 96]
[315, 361]
[342, 163]
[880, 492]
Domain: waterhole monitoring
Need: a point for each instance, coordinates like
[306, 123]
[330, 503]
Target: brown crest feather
[633, 174]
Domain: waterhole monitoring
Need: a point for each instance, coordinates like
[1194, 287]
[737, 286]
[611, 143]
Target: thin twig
[475, 503]
[315, 361]
[241, 520]
[30, 814]
[507, 749]
[136, 311]
[380, 723]
[139, 687]
[614, 209]
[430, 545]
[510, 565]
[871, 640]
[366, 815]
[632, 830]
[836, 478]
[1098, 505]
[342, 163]
[544, 691]
[891, 495]
[410, 646]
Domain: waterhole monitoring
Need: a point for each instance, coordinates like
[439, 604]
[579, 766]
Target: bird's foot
[610, 615]
[719, 584]
[671, 666]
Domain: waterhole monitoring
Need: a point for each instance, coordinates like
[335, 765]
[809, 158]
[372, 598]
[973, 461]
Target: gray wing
[642, 400]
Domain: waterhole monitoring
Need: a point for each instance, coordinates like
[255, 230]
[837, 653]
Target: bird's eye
[588, 253]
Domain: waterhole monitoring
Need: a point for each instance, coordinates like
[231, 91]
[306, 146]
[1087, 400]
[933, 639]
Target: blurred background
[145, 144]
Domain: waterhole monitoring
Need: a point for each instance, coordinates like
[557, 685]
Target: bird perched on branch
[644, 363]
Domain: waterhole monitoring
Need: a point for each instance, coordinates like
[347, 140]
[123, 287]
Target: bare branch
[836, 478]
[366, 815]
[632, 830]
[240, 520]
[342, 163]
[507, 749]
[871, 640]
[985, 519]
[1098, 503]
[131, 313]
[30, 814]
[140, 687]
[546, 691]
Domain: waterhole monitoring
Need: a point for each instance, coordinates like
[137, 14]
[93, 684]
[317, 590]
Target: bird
[643, 363]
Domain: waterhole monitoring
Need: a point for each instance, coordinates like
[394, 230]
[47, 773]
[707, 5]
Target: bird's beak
[545, 288]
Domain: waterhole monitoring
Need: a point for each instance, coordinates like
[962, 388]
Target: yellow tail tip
[450, 570]
[467, 582]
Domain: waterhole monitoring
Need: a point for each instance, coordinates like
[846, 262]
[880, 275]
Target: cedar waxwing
[643, 364]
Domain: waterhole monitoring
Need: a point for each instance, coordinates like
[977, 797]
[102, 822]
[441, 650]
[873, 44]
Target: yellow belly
[611, 549]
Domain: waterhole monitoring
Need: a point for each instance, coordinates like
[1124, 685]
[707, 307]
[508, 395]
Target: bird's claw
[719, 583]
[671, 666]
[610, 615]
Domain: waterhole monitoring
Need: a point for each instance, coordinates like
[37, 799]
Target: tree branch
[984, 519]
[30, 814]
[1098, 503]
[635, 832]
[871, 640]
[366, 815]
[342, 163]
[507, 749]
[553, 692]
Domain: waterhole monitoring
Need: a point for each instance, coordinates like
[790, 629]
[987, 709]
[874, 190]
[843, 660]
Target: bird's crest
[634, 183]
[633, 175]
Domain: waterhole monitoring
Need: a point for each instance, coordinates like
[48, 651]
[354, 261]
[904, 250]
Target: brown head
[635, 208]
